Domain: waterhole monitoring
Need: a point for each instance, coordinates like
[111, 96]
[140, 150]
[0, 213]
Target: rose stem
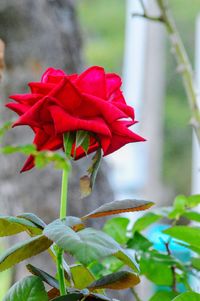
[63, 213]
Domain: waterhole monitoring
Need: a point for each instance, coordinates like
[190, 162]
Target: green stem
[63, 199]
[63, 213]
[60, 271]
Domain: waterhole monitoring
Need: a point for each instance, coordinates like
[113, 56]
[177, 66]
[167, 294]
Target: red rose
[91, 101]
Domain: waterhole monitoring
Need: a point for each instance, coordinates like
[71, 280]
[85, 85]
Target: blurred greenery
[103, 25]
[4, 279]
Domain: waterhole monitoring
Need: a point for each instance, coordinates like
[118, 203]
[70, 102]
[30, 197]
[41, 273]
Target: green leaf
[164, 296]
[43, 276]
[156, 271]
[117, 229]
[196, 262]
[86, 245]
[127, 258]
[116, 281]
[145, 221]
[190, 235]
[179, 207]
[30, 288]
[27, 149]
[10, 225]
[34, 219]
[139, 242]
[83, 140]
[68, 141]
[24, 250]
[82, 277]
[192, 216]
[117, 207]
[193, 200]
[188, 296]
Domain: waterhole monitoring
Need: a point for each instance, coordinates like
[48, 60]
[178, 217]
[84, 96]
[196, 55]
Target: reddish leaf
[116, 281]
[117, 207]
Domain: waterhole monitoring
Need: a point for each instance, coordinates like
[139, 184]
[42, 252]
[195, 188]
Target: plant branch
[184, 66]
[148, 17]
[137, 298]
[173, 268]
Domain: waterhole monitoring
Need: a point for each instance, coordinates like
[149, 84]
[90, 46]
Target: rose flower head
[91, 101]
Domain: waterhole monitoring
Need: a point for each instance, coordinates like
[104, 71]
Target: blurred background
[73, 35]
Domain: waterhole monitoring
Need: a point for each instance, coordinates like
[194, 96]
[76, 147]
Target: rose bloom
[60, 103]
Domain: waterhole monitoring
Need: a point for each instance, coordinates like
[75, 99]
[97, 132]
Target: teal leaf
[86, 245]
[34, 219]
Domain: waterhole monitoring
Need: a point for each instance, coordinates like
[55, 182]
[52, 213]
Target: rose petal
[51, 71]
[113, 83]
[92, 81]
[64, 122]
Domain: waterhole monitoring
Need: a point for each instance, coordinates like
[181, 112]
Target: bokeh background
[73, 35]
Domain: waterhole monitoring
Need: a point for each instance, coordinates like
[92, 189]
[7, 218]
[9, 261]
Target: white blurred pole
[196, 147]
[128, 162]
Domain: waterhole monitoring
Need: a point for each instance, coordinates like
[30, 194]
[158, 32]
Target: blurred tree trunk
[39, 34]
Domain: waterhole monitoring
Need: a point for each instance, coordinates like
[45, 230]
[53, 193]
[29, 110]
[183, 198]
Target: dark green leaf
[68, 141]
[139, 242]
[145, 221]
[10, 225]
[116, 281]
[29, 289]
[70, 297]
[190, 235]
[117, 207]
[83, 139]
[188, 296]
[117, 229]
[43, 276]
[86, 245]
[24, 250]
[82, 296]
[163, 296]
